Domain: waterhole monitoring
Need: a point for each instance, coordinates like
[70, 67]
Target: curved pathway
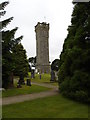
[45, 85]
[28, 97]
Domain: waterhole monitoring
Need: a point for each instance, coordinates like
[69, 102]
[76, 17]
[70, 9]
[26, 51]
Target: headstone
[32, 74]
[40, 76]
[21, 80]
[52, 76]
[28, 82]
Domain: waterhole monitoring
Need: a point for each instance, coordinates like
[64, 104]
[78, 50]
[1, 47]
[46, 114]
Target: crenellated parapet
[42, 25]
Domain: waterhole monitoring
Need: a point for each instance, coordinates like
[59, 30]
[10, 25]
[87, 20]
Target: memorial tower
[42, 47]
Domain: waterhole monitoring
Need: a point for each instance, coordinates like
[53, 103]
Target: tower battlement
[42, 25]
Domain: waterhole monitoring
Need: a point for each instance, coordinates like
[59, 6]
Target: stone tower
[42, 47]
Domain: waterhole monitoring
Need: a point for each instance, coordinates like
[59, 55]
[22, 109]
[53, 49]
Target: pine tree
[9, 42]
[74, 77]
[2, 25]
[20, 60]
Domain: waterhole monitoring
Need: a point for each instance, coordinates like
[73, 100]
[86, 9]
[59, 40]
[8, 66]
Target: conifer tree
[9, 43]
[74, 76]
[3, 33]
[20, 60]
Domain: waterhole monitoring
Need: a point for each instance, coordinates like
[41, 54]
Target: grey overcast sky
[27, 13]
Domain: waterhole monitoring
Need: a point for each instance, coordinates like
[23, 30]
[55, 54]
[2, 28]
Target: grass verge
[49, 107]
[45, 78]
[24, 90]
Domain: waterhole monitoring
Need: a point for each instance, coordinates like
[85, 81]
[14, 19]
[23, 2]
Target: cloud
[27, 13]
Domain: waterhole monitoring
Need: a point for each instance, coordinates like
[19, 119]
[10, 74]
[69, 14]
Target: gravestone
[21, 80]
[32, 74]
[28, 82]
[52, 76]
[40, 76]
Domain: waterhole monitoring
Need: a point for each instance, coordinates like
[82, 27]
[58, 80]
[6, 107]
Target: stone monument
[42, 47]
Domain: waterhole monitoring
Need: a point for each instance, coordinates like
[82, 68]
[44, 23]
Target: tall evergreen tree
[74, 76]
[4, 33]
[21, 65]
[8, 45]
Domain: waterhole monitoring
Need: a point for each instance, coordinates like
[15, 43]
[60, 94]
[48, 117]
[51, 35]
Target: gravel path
[28, 97]
[45, 85]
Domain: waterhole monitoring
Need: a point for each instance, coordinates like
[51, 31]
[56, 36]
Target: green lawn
[24, 90]
[45, 78]
[49, 107]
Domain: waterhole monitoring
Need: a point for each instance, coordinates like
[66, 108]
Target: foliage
[55, 65]
[9, 42]
[74, 77]
[32, 61]
[20, 60]
[6, 54]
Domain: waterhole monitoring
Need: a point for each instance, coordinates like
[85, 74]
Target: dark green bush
[76, 87]
[74, 69]
[81, 96]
